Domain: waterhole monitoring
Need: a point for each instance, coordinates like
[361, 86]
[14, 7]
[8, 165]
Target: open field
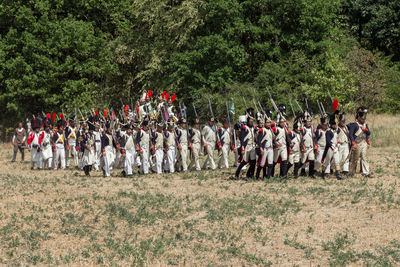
[202, 218]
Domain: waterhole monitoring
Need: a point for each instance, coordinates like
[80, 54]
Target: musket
[320, 109]
[295, 100]
[76, 117]
[291, 105]
[229, 121]
[212, 115]
[330, 96]
[305, 99]
[245, 104]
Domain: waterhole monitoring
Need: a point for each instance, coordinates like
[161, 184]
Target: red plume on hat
[126, 108]
[96, 112]
[62, 116]
[335, 104]
[105, 113]
[150, 93]
[48, 115]
[173, 97]
[166, 96]
[163, 94]
[54, 117]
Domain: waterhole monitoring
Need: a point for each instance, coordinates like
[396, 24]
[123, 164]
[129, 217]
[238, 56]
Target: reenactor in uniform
[209, 136]
[195, 145]
[157, 141]
[321, 142]
[107, 145]
[282, 143]
[143, 145]
[18, 142]
[295, 151]
[45, 140]
[359, 136]
[86, 145]
[225, 137]
[265, 145]
[308, 144]
[59, 145]
[34, 145]
[182, 145]
[344, 144]
[71, 133]
[128, 148]
[331, 152]
[97, 140]
[170, 147]
[248, 145]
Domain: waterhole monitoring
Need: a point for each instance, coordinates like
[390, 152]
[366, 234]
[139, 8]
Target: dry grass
[200, 218]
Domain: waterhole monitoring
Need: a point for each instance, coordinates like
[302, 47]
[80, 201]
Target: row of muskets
[152, 109]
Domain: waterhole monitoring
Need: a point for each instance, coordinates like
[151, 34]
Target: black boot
[296, 169]
[239, 168]
[323, 175]
[86, 169]
[270, 170]
[311, 169]
[289, 165]
[338, 176]
[284, 168]
[264, 172]
[252, 168]
[303, 172]
[258, 172]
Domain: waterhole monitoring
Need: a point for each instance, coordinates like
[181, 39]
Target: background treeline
[64, 53]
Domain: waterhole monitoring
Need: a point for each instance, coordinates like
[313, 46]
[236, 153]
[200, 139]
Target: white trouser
[35, 157]
[46, 163]
[72, 152]
[97, 155]
[195, 157]
[318, 159]
[130, 155]
[332, 157]
[224, 156]
[268, 155]
[108, 159]
[282, 152]
[159, 156]
[144, 156]
[344, 156]
[308, 155]
[60, 156]
[170, 162]
[210, 156]
[182, 158]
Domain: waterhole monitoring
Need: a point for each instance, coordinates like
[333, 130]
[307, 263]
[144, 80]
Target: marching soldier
[45, 140]
[195, 145]
[157, 141]
[182, 145]
[97, 146]
[248, 145]
[282, 142]
[331, 152]
[86, 145]
[107, 144]
[225, 137]
[128, 147]
[295, 139]
[308, 144]
[359, 136]
[143, 145]
[209, 136]
[321, 142]
[59, 145]
[71, 133]
[344, 144]
[265, 143]
[170, 147]
[34, 144]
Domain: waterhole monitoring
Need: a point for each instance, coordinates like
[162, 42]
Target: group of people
[154, 136]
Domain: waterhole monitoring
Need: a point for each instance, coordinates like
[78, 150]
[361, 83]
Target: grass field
[203, 218]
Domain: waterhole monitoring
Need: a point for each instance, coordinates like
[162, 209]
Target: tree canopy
[76, 53]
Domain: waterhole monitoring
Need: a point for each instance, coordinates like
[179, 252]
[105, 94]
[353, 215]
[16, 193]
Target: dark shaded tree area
[63, 54]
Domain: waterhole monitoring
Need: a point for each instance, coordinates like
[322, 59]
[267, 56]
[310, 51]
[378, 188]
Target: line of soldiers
[154, 137]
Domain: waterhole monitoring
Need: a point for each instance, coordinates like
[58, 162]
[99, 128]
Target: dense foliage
[62, 54]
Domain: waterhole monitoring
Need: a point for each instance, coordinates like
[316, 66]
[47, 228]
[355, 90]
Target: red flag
[335, 104]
